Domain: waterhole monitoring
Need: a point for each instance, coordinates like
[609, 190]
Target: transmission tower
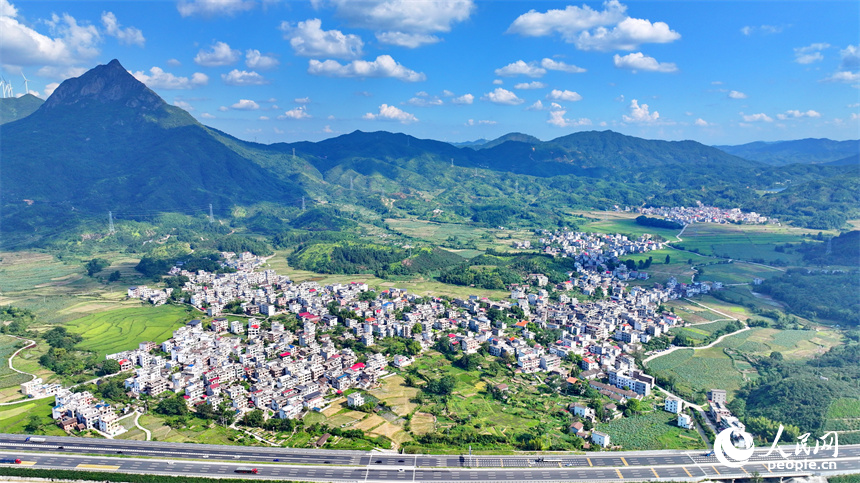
[517, 186]
[452, 162]
[110, 223]
[211, 216]
[303, 203]
[351, 180]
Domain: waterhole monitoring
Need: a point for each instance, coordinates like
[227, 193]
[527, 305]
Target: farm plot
[123, 329]
[699, 371]
[743, 242]
[652, 430]
[396, 394]
[620, 222]
[8, 377]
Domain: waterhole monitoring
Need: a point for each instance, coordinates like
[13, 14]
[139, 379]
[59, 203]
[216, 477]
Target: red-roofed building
[358, 366]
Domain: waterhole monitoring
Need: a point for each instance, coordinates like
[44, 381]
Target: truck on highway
[10, 461]
[246, 469]
[34, 439]
[549, 460]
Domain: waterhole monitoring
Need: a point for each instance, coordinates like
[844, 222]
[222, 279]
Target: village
[289, 366]
[706, 214]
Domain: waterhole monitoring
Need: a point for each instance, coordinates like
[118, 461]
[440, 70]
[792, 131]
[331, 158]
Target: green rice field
[123, 329]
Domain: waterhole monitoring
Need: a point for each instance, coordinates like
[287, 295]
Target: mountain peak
[104, 84]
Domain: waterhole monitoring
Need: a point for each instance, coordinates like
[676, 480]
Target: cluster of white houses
[259, 363]
[706, 214]
[593, 249]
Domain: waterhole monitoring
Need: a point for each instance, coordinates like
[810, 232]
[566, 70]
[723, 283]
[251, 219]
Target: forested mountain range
[803, 151]
[104, 141]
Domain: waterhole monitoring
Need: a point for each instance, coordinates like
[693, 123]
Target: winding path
[136, 423]
[30, 343]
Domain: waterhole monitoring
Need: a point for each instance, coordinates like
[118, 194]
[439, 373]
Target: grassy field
[59, 291]
[745, 242]
[8, 377]
[652, 430]
[659, 271]
[439, 233]
[732, 273]
[621, 222]
[723, 366]
[122, 329]
[420, 285]
[13, 418]
[700, 331]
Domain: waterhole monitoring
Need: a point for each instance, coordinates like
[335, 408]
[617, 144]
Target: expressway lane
[375, 473]
[328, 465]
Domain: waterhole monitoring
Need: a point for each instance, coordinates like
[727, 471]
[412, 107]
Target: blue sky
[718, 72]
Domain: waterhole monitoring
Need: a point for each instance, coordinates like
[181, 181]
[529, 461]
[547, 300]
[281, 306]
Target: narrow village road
[145, 431]
[30, 343]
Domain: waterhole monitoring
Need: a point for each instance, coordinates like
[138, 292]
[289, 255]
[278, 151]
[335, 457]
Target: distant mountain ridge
[105, 141]
[14, 108]
[803, 151]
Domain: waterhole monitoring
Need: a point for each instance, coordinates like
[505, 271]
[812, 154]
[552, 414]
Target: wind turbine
[5, 88]
[26, 85]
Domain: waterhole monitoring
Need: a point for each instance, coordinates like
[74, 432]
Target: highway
[323, 465]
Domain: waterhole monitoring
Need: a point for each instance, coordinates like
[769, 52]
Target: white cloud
[521, 68]
[627, 35]
[481, 122]
[158, 79]
[464, 99]
[223, 108]
[498, 82]
[410, 41]
[245, 105]
[809, 54]
[612, 28]
[255, 60]
[850, 57]
[219, 55]
[206, 115]
[852, 106]
[638, 61]
[212, 8]
[537, 106]
[263, 118]
[763, 29]
[183, 105]
[391, 113]
[60, 72]
[760, 117]
[737, 95]
[502, 96]
[405, 23]
[173, 62]
[794, 114]
[302, 100]
[297, 113]
[383, 66]
[308, 39]
[530, 85]
[68, 44]
[556, 118]
[567, 22]
[844, 76]
[49, 89]
[424, 101]
[701, 122]
[565, 95]
[550, 64]
[447, 93]
[238, 77]
[640, 113]
[130, 35]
